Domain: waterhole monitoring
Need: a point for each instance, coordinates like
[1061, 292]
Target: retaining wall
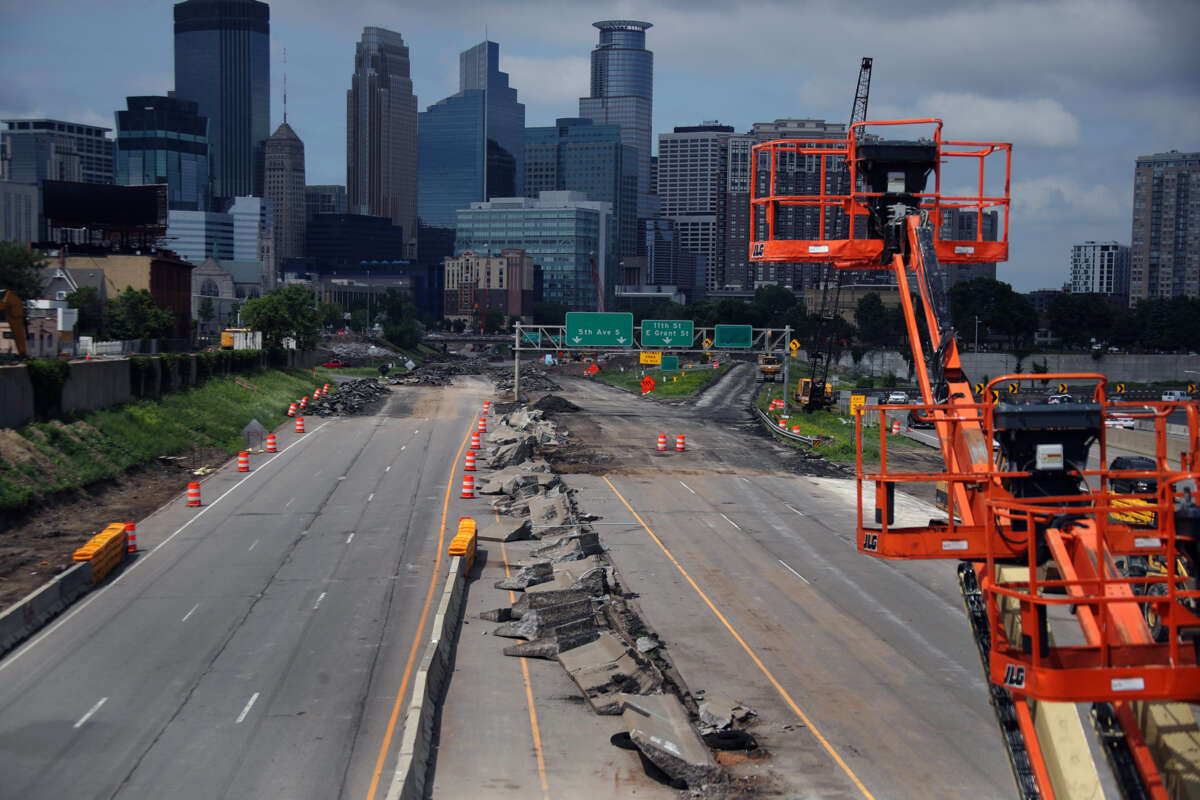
[16, 396]
[27, 617]
[96, 384]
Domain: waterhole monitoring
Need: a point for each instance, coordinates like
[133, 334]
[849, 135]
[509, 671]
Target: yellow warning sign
[707, 343]
[979, 387]
[1012, 388]
[1120, 388]
[995, 396]
[650, 357]
[1062, 388]
[857, 401]
[795, 345]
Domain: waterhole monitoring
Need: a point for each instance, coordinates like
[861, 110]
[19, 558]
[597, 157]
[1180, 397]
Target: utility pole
[976, 333]
[517, 365]
[787, 362]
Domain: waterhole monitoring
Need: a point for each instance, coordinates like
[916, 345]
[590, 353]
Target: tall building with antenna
[284, 183]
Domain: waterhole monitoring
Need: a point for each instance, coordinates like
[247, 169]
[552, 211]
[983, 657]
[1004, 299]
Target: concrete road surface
[257, 645]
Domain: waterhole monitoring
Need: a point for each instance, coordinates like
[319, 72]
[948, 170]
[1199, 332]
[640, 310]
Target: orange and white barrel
[131, 537]
[193, 494]
[895, 427]
[475, 440]
[469, 464]
[292, 410]
[679, 444]
[662, 442]
[468, 489]
[243, 461]
[483, 424]
[271, 448]
[299, 424]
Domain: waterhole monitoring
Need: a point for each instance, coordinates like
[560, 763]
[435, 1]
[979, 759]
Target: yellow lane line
[778, 687]
[533, 723]
[416, 643]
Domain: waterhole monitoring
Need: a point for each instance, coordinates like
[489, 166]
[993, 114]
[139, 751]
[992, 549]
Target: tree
[878, 326]
[285, 312]
[999, 309]
[91, 310]
[134, 315]
[493, 321]
[331, 314]
[1080, 319]
[547, 313]
[774, 300]
[20, 270]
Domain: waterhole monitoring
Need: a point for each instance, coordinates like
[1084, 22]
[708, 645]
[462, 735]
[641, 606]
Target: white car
[1119, 421]
[1175, 395]
[897, 398]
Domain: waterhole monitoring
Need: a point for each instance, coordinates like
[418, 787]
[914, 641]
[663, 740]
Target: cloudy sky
[1080, 87]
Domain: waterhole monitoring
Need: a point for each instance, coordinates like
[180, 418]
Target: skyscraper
[622, 92]
[284, 180]
[575, 155]
[381, 133]
[324, 199]
[472, 144]
[223, 63]
[34, 150]
[1165, 249]
[692, 188]
[1100, 268]
[165, 140]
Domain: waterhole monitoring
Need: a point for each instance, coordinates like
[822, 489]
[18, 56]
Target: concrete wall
[16, 396]
[27, 617]
[1118, 367]
[96, 384]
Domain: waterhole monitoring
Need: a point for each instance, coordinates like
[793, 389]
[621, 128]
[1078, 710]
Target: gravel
[351, 397]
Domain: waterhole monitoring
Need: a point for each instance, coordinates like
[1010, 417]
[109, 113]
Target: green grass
[684, 383]
[829, 423]
[103, 444]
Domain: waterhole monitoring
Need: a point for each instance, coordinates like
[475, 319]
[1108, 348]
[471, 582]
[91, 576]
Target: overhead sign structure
[533, 337]
[599, 329]
[650, 357]
[670, 363]
[668, 332]
[733, 336]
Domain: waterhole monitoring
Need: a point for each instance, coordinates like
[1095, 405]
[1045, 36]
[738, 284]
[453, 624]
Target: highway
[257, 645]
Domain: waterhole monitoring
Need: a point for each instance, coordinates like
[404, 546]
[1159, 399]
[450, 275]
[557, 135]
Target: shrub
[48, 377]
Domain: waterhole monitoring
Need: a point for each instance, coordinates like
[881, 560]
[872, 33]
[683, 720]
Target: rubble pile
[440, 371]
[354, 352]
[572, 608]
[532, 380]
[352, 397]
[552, 403]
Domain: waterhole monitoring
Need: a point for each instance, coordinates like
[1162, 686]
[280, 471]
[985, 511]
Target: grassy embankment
[684, 383]
[834, 424]
[42, 458]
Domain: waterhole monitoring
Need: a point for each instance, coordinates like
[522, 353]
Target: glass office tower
[223, 64]
[165, 140]
[623, 92]
[472, 144]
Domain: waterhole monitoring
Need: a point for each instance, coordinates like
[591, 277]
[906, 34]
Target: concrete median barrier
[429, 690]
[28, 616]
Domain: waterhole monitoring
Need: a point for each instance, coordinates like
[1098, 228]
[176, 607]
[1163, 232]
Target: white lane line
[401, 447]
[13, 657]
[794, 510]
[350, 538]
[731, 522]
[342, 478]
[246, 710]
[289, 502]
[317, 604]
[370, 497]
[418, 430]
[91, 711]
[740, 478]
[684, 485]
[188, 614]
[253, 545]
[789, 569]
[389, 469]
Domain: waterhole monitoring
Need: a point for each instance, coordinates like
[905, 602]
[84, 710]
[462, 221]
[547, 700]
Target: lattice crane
[1040, 536]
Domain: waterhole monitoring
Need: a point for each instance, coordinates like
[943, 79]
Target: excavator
[1062, 630]
[12, 313]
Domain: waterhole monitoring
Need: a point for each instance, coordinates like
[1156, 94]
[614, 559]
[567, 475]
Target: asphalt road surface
[257, 645]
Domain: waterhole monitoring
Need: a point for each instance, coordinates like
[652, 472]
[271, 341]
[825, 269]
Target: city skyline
[1081, 88]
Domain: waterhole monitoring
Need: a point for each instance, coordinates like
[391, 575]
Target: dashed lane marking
[249, 705]
[188, 614]
[254, 545]
[350, 538]
[684, 485]
[789, 569]
[91, 711]
[317, 604]
[731, 522]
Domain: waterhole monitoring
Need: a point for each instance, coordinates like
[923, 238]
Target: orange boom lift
[1058, 618]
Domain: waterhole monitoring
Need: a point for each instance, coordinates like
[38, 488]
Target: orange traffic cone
[292, 410]
[243, 461]
[679, 445]
[271, 443]
[469, 465]
[475, 440]
[299, 424]
[193, 494]
[662, 442]
[895, 427]
[131, 537]
[468, 486]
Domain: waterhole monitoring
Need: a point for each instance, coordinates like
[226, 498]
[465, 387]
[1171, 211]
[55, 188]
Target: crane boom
[858, 112]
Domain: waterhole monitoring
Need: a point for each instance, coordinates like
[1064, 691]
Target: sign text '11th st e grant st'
[599, 329]
[668, 333]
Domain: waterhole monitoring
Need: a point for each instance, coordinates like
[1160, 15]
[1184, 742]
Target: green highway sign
[599, 329]
[667, 332]
[733, 336]
[533, 337]
[670, 363]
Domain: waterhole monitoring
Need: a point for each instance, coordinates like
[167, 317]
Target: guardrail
[811, 441]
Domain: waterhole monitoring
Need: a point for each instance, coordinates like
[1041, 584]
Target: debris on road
[441, 370]
[351, 397]
[552, 403]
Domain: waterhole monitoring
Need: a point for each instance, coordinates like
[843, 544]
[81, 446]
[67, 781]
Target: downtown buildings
[1165, 245]
[693, 191]
[165, 140]
[284, 187]
[472, 143]
[34, 150]
[223, 64]
[381, 133]
[1101, 268]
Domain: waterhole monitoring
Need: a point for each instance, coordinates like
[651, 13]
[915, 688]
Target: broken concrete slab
[551, 509]
[718, 713]
[587, 575]
[605, 668]
[507, 530]
[527, 576]
[570, 548]
[564, 638]
[538, 623]
[658, 725]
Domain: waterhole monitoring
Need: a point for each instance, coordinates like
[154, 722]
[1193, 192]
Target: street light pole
[367, 332]
[976, 333]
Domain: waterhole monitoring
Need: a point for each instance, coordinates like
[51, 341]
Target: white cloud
[1055, 198]
[1036, 122]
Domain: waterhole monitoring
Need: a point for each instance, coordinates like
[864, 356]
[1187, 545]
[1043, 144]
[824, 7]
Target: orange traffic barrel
[795, 429]
[475, 440]
[783, 423]
[468, 486]
[243, 461]
[662, 442]
[469, 465]
[679, 445]
[304, 401]
[271, 443]
[299, 424]
[193, 494]
[131, 537]
[487, 406]
[326, 387]
[483, 424]
[292, 410]
[895, 427]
